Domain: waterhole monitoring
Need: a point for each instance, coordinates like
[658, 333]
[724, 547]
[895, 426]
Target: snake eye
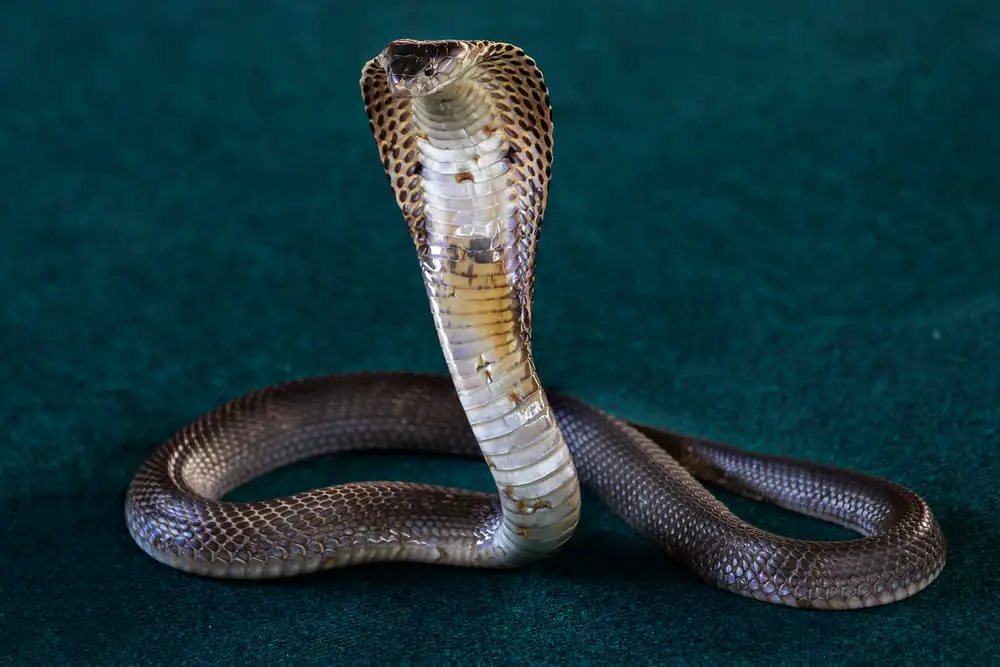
[428, 71]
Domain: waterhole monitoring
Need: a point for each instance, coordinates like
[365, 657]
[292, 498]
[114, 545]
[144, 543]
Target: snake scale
[464, 133]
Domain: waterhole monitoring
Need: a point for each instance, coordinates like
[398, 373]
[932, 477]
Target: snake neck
[470, 268]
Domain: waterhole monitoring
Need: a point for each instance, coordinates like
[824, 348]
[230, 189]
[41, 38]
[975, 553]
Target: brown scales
[521, 110]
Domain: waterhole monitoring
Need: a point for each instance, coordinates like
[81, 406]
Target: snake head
[416, 68]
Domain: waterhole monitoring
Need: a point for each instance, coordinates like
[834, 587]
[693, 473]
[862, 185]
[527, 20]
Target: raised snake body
[464, 131]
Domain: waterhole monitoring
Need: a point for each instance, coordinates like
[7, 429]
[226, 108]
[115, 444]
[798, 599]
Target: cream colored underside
[469, 209]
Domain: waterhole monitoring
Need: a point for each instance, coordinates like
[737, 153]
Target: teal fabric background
[772, 223]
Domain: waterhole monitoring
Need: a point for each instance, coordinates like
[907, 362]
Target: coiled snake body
[464, 132]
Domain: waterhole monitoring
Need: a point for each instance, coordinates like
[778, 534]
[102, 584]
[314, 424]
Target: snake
[464, 132]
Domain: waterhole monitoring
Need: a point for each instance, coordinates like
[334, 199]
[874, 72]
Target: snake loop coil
[464, 132]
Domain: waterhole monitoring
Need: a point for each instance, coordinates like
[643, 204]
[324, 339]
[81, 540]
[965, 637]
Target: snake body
[464, 131]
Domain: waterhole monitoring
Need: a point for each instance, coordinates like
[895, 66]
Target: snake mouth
[415, 68]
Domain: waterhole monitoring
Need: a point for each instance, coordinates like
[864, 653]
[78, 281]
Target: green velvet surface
[773, 223]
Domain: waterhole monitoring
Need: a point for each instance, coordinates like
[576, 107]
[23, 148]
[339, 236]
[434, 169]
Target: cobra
[464, 132]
